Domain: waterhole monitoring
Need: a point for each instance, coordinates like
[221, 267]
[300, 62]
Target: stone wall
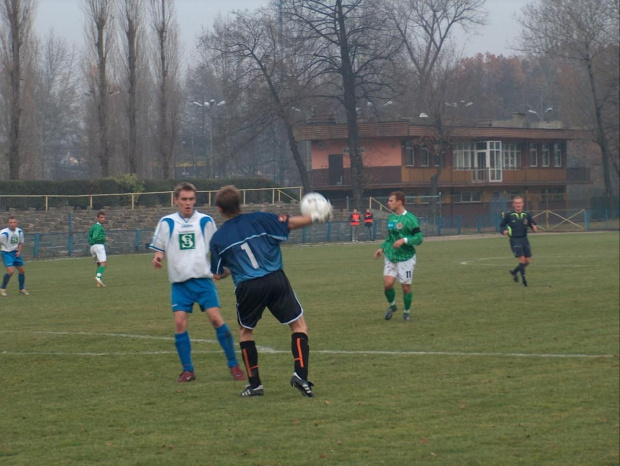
[64, 232]
[58, 220]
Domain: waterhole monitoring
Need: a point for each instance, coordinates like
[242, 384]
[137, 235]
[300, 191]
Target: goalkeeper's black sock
[250, 360]
[522, 270]
[301, 352]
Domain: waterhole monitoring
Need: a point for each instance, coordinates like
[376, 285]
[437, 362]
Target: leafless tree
[133, 63]
[165, 31]
[427, 26]
[100, 40]
[585, 34]
[266, 67]
[353, 46]
[57, 101]
[16, 17]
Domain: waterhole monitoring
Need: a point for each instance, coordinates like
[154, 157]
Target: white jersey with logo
[10, 239]
[185, 241]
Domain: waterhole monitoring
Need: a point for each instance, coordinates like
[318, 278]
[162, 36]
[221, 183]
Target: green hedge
[111, 186]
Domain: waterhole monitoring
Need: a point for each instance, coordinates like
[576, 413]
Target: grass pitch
[486, 372]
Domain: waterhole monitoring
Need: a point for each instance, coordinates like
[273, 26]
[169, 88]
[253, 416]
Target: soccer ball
[315, 205]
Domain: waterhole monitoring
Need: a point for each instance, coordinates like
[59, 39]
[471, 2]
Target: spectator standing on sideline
[369, 221]
[97, 239]
[183, 238]
[403, 236]
[247, 246]
[354, 221]
[514, 224]
[11, 241]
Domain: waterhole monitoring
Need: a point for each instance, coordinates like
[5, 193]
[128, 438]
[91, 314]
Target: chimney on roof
[519, 120]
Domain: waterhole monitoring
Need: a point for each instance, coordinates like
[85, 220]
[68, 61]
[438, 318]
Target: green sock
[100, 271]
[408, 298]
[390, 295]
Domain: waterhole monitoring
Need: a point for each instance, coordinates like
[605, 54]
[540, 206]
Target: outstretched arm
[299, 221]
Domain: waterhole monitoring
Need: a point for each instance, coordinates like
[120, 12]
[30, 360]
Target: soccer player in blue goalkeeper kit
[247, 246]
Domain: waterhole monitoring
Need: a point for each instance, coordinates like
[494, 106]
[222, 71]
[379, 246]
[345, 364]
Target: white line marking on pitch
[479, 261]
[274, 351]
[264, 349]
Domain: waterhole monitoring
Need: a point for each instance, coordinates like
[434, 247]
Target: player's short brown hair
[228, 198]
[400, 196]
[100, 213]
[184, 186]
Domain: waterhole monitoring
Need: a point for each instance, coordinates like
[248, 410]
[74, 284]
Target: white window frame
[557, 155]
[409, 150]
[466, 197]
[512, 155]
[545, 155]
[424, 156]
[463, 156]
[533, 155]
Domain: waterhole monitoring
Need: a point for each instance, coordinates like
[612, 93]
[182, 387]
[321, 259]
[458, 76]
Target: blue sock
[22, 280]
[5, 280]
[184, 348]
[227, 343]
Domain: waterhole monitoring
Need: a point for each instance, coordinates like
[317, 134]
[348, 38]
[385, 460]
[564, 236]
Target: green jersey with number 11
[405, 225]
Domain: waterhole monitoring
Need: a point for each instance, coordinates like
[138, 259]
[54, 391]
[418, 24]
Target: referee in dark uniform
[515, 224]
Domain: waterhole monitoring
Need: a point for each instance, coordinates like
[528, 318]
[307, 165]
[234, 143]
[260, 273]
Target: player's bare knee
[245, 334]
[215, 317]
[180, 321]
[299, 326]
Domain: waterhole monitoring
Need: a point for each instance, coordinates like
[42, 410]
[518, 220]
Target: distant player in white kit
[183, 238]
[11, 241]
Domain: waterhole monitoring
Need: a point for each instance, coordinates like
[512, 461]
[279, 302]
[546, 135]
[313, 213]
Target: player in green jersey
[398, 250]
[97, 239]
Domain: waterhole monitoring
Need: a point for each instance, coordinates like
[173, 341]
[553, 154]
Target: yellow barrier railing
[276, 195]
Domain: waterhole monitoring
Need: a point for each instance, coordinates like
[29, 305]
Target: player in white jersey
[183, 239]
[11, 241]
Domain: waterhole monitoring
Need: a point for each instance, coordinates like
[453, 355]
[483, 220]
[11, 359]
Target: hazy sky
[65, 17]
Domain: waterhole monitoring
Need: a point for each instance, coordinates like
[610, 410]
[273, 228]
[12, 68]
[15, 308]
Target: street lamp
[540, 117]
[209, 105]
[462, 103]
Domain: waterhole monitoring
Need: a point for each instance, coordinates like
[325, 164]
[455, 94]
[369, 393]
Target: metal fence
[131, 241]
[146, 199]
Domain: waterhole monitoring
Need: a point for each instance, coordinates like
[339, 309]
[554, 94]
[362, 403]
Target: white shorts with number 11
[402, 271]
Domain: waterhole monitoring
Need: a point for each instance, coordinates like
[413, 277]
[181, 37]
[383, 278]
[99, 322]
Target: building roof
[403, 128]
